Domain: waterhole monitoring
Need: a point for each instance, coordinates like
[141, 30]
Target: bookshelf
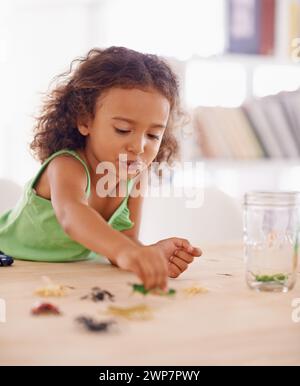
[234, 174]
[266, 107]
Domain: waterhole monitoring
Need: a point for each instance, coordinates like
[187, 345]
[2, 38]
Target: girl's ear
[83, 126]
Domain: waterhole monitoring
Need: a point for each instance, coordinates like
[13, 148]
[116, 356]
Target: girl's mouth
[133, 166]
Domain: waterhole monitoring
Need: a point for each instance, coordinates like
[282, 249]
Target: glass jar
[271, 235]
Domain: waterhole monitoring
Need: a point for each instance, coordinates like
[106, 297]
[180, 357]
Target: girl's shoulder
[61, 169]
[65, 165]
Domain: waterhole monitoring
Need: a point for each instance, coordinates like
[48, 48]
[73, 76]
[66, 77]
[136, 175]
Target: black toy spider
[93, 325]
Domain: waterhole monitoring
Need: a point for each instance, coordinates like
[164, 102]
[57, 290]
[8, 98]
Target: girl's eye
[122, 131]
[154, 136]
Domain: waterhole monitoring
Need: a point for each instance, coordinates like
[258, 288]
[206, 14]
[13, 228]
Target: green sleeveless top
[31, 231]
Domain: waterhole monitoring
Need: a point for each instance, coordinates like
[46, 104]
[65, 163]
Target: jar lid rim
[276, 198]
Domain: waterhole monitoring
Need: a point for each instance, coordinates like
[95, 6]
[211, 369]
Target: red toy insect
[45, 309]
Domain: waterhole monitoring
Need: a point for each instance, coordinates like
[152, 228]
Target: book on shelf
[262, 127]
[208, 134]
[251, 26]
[225, 133]
[231, 135]
[294, 23]
[267, 27]
[257, 116]
[290, 102]
[279, 124]
[250, 145]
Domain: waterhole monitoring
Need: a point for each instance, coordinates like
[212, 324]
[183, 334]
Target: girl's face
[127, 121]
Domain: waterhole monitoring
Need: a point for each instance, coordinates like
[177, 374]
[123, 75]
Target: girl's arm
[68, 181]
[135, 208]
[135, 204]
[179, 259]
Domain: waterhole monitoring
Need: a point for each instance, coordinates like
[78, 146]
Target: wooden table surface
[228, 325]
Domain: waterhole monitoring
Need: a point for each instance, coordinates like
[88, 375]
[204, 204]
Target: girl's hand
[179, 254]
[148, 263]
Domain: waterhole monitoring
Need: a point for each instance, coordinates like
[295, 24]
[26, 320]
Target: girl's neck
[92, 164]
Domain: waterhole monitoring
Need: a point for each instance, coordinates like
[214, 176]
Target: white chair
[217, 220]
[10, 192]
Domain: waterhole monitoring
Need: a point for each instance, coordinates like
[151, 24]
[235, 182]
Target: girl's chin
[129, 173]
[126, 176]
[129, 176]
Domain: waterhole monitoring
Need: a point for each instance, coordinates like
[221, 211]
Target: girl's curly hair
[75, 95]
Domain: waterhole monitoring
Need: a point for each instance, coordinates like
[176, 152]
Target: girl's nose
[136, 145]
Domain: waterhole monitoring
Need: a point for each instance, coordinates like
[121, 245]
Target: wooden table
[228, 325]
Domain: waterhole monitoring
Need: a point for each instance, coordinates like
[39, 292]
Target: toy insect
[98, 294]
[45, 309]
[92, 325]
[52, 289]
[195, 290]
[138, 312]
[156, 291]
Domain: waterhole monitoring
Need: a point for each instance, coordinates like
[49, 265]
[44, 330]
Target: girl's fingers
[197, 251]
[185, 244]
[182, 243]
[187, 257]
[179, 263]
[164, 275]
[148, 274]
[174, 271]
[161, 272]
[140, 273]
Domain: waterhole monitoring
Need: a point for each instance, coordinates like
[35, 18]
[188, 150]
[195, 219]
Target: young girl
[115, 102]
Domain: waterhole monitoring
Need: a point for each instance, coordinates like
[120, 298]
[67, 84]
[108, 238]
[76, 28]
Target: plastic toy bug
[45, 309]
[142, 290]
[98, 294]
[92, 325]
